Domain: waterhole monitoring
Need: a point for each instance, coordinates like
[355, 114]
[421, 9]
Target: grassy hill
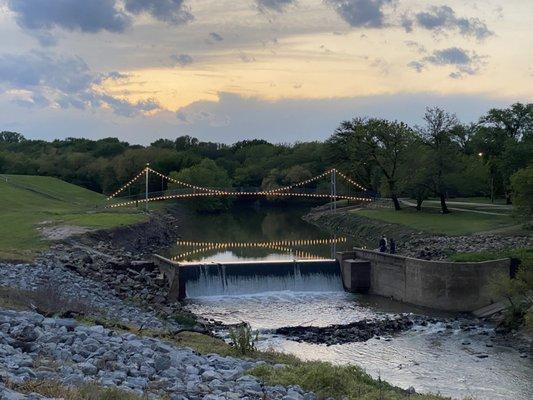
[30, 203]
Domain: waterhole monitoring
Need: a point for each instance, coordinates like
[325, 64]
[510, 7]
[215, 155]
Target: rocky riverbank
[359, 331]
[112, 267]
[33, 347]
[411, 243]
[386, 328]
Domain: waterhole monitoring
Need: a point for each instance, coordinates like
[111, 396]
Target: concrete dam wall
[189, 280]
[450, 286]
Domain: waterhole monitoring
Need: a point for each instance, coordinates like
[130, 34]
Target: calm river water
[435, 358]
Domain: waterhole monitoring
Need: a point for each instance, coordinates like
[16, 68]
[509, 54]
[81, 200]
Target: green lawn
[431, 220]
[485, 200]
[470, 203]
[28, 202]
[524, 255]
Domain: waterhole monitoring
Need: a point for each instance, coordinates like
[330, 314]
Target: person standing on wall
[392, 246]
[383, 244]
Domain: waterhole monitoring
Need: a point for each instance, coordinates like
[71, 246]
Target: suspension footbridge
[186, 190]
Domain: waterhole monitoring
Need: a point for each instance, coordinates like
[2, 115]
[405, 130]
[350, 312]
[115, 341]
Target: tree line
[441, 158]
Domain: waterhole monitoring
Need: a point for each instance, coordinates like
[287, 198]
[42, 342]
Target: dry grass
[46, 300]
[55, 389]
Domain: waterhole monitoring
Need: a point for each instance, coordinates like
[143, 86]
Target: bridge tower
[333, 190]
[147, 171]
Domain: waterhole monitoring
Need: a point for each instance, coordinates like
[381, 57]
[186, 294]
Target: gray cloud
[418, 66]
[465, 63]
[38, 18]
[381, 65]
[44, 79]
[361, 13]
[115, 75]
[452, 55]
[216, 37]
[290, 120]
[273, 5]
[170, 11]
[444, 18]
[182, 59]
[246, 58]
[85, 16]
[415, 46]
[67, 74]
[127, 109]
[46, 39]
[407, 23]
[191, 115]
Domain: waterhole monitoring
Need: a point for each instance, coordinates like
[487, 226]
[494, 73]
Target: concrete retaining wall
[170, 269]
[451, 286]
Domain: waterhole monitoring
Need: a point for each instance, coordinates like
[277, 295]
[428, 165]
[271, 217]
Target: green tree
[442, 138]
[417, 182]
[11, 137]
[516, 121]
[383, 143]
[522, 185]
[296, 174]
[272, 180]
[504, 141]
[206, 174]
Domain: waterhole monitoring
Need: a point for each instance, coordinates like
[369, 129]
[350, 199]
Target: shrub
[243, 339]
[517, 292]
[522, 185]
[46, 300]
[185, 319]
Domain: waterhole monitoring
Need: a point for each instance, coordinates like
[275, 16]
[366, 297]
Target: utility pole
[146, 188]
[333, 191]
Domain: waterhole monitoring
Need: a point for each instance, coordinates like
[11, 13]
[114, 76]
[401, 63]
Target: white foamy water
[253, 278]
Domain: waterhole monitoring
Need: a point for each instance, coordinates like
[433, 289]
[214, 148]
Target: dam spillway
[191, 280]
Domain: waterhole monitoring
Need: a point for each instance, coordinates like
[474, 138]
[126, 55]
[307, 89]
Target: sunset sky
[283, 70]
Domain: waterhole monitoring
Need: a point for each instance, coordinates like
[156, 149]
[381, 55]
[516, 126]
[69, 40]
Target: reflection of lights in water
[304, 242]
[283, 246]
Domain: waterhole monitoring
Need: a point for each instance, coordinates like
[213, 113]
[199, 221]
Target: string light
[299, 183]
[168, 178]
[128, 184]
[349, 180]
[216, 192]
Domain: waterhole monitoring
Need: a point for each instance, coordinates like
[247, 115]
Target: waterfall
[261, 277]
